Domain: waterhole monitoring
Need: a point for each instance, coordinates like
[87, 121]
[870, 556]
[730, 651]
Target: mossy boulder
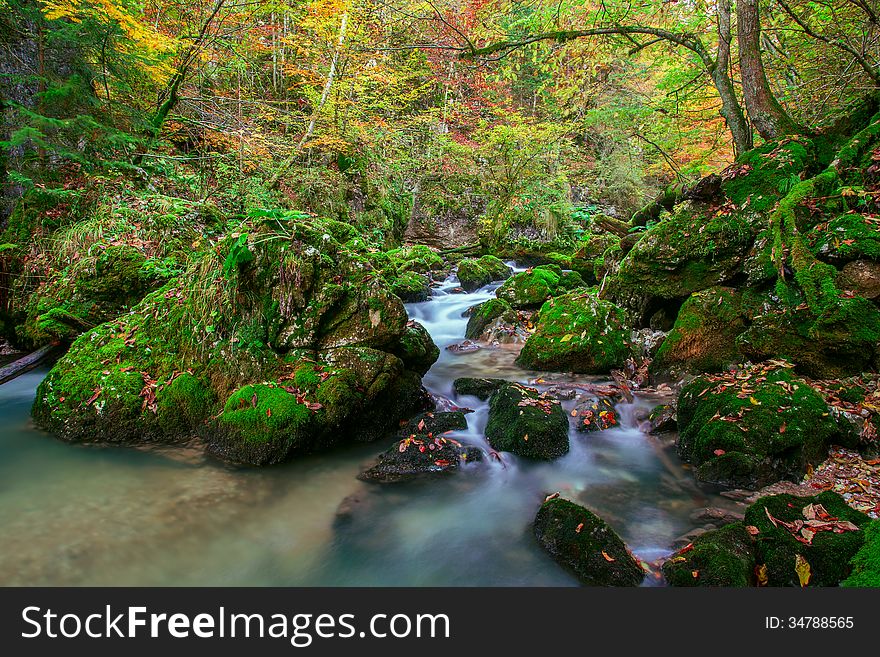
[531, 288]
[840, 342]
[866, 563]
[420, 455]
[290, 338]
[693, 249]
[781, 549]
[720, 557]
[434, 423]
[861, 277]
[577, 332]
[474, 273]
[845, 238]
[477, 387]
[417, 349]
[584, 544]
[412, 287]
[483, 315]
[527, 423]
[703, 338]
[753, 427]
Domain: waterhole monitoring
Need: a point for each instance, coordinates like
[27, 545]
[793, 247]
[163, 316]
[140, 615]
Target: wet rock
[434, 423]
[577, 332]
[715, 516]
[412, 287]
[420, 455]
[662, 419]
[483, 315]
[561, 393]
[416, 348]
[583, 543]
[830, 534]
[647, 341]
[527, 423]
[476, 387]
[720, 557]
[594, 415]
[474, 273]
[463, 347]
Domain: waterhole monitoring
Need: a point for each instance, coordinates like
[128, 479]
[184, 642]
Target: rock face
[754, 427]
[583, 543]
[830, 534]
[720, 557]
[526, 423]
[594, 415]
[703, 338]
[663, 418]
[474, 273]
[288, 338]
[577, 332]
[531, 288]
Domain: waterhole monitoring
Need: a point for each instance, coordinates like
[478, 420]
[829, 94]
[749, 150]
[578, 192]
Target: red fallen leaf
[421, 448]
[719, 452]
[402, 446]
[577, 530]
[91, 400]
[442, 463]
[552, 496]
[686, 548]
[314, 406]
[608, 557]
[254, 401]
[421, 425]
[782, 428]
[695, 574]
[751, 529]
[268, 412]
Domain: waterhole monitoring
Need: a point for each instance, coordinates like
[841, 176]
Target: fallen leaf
[578, 529]
[751, 529]
[608, 557]
[802, 568]
[761, 574]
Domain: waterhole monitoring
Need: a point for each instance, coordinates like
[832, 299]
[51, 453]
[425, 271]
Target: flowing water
[86, 515]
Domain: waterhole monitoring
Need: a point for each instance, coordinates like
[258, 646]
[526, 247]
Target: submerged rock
[420, 455]
[288, 339]
[577, 332]
[526, 423]
[583, 543]
[474, 273]
[751, 428]
[720, 557]
[805, 541]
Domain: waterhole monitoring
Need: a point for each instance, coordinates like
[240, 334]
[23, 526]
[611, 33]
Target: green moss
[526, 423]
[774, 168]
[183, 404]
[866, 563]
[582, 542]
[720, 557]
[306, 377]
[845, 238]
[531, 288]
[417, 350]
[703, 337]
[411, 287]
[577, 332]
[261, 413]
[829, 553]
[754, 429]
[474, 273]
[483, 315]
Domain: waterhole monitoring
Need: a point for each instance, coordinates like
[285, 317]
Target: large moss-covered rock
[583, 543]
[866, 563]
[288, 338]
[845, 238]
[527, 423]
[805, 541]
[703, 338]
[417, 349]
[720, 557]
[474, 273]
[531, 288]
[483, 315]
[577, 332]
[753, 427]
[841, 342]
[693, 249]
[420, 455]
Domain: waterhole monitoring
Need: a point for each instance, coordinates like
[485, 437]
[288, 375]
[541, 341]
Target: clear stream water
[90, 515]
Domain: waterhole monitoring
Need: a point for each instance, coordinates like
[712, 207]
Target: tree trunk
[767, 114]
[731, 110]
